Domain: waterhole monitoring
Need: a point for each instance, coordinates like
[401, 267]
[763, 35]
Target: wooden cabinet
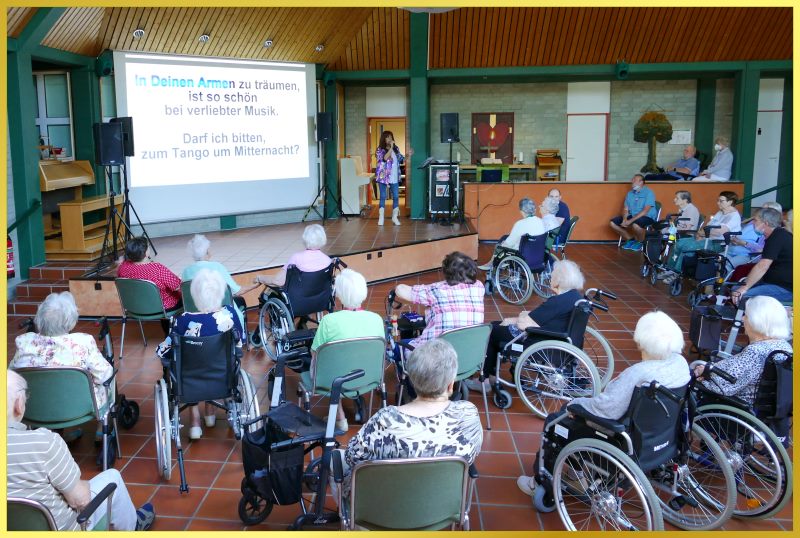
[548, 165]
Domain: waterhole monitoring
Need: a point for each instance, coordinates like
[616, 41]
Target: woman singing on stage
[387, 173]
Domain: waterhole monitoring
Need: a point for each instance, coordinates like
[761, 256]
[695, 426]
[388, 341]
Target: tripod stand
[118, 221]
[452, 215]
[324, 187]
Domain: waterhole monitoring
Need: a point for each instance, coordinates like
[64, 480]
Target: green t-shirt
[344, 324]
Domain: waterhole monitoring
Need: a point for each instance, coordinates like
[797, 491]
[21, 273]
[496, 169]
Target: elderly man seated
[772, 275]
[638, 212]
[685, 168]
[529, 224]
[40, 468]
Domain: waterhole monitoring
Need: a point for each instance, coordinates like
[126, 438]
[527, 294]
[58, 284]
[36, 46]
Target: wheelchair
[517, 274]
[274, 451]
[560, 366]
[202, 369]
[303, 294]
[706, 267]
[753, 438]
[635, 472]
[658, 244]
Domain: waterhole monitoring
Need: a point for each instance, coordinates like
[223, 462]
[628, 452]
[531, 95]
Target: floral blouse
[74, 349]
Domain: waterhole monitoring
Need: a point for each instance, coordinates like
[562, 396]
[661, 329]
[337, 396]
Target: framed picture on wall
[493, 136]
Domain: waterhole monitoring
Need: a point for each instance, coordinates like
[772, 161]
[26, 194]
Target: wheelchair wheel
[513, 280]
[253, 509]
[599, 350]
[248, 409]
[541, 281]
[163, 431]
[502, 399]
[128, 412]
[596, 486]
[676, 287]
[551, 373]
[698, 496]
[270, 324]
[761, 466]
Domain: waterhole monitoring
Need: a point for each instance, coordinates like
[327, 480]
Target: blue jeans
[395, 193]
[770, 290]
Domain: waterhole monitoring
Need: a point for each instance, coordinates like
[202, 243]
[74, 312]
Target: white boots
[395, 215]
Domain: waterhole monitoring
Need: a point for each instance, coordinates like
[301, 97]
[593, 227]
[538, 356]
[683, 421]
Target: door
[768, 147]
[587, 143]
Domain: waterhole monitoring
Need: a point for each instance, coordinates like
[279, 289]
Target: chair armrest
[554, 335]
[473, 471]
[611, 425]
[95, 503]
[338, 466]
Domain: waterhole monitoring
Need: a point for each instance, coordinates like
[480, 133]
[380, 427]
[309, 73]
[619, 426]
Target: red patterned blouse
[168, 283]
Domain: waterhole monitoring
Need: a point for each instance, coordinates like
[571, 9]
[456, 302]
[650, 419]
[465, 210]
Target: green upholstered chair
[188, 301]
[470, 345]
[29, 515]
[140, 300]
[560, 248]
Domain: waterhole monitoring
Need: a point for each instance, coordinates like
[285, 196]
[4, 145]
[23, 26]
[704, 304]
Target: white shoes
[211, 421]
[380, 216]
[526, 484]
[395, 214]
[342, 424]
[195, 432]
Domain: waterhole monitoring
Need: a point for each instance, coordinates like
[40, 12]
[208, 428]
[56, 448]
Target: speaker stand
[323, 190]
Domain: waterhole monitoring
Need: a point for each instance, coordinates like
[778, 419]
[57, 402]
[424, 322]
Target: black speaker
[621, 70]
[324, 126]
[127, 134]
[108, 144]
[449, 127]
[104, 64]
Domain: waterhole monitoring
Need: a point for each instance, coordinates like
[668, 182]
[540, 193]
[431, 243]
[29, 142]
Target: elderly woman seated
[352, 321]
[54, 346]
[767, 326]
[138, 264]
[548, 210]
[660, 342]
[553, 315]
[208, 291]
[430, 425]
[309, 260]
[529, 224]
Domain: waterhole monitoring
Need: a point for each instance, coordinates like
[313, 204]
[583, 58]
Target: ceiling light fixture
[319, 48]
[267, 43]
[204, 38]
[138, 33]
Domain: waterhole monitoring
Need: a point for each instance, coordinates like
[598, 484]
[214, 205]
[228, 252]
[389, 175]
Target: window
[54, 110]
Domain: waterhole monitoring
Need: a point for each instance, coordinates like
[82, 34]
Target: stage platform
[378, 252]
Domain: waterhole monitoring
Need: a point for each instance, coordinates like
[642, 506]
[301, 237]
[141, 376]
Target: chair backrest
[654, 424]
[532, 248]
[701, 221]
[340, 357]
[470, 345]
[773, 401]
[572, 222]
[203, 367]
[410, 494]
[188, 300]
[658, 210]
[578, 320]
[59, 397]
[140, 298]
[28, 515]
[309, 292]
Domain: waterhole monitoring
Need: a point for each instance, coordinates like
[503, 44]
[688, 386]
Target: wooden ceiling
[378, 38]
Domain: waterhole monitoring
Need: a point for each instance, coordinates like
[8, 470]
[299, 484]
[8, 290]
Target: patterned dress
[448, 307]
[75, 349]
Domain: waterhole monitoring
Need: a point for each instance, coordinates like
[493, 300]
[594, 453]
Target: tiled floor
[213, 463]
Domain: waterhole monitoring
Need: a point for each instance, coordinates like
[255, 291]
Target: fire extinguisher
[10, 257]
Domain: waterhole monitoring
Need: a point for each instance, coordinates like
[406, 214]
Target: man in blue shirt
[685, 168]
[638, 212]
[563, 212]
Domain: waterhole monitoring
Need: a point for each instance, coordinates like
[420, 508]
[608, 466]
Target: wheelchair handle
[598, 294]
[657, 387]
[711, 369]
[339, 263]
[104, 330]
[707, 229]
[599, 306]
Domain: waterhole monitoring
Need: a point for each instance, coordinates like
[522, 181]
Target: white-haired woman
[309, 260]
[548, 210]
[660, 342]
[212, 317]
[767, 325]
[54, 346]
[352, 321]
[430, 425]
[721, 165]
[529, 224]
[553, 315]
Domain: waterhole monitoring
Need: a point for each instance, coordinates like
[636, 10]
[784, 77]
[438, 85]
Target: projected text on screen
[216, 123]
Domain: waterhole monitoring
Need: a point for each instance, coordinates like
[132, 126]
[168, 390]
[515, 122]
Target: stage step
[44, 279]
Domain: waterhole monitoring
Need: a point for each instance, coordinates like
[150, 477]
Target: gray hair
[208, 290]
[57, 315]
[722, 141]
[773, 205]
[314, 237]
[684, 195]
[658, 336]
[432, 367]
[568, 274]
[350, 288]
[770, 217]
[767, 316]
[527, 206]
[198, 246]
[16, 386]
[549, 206]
